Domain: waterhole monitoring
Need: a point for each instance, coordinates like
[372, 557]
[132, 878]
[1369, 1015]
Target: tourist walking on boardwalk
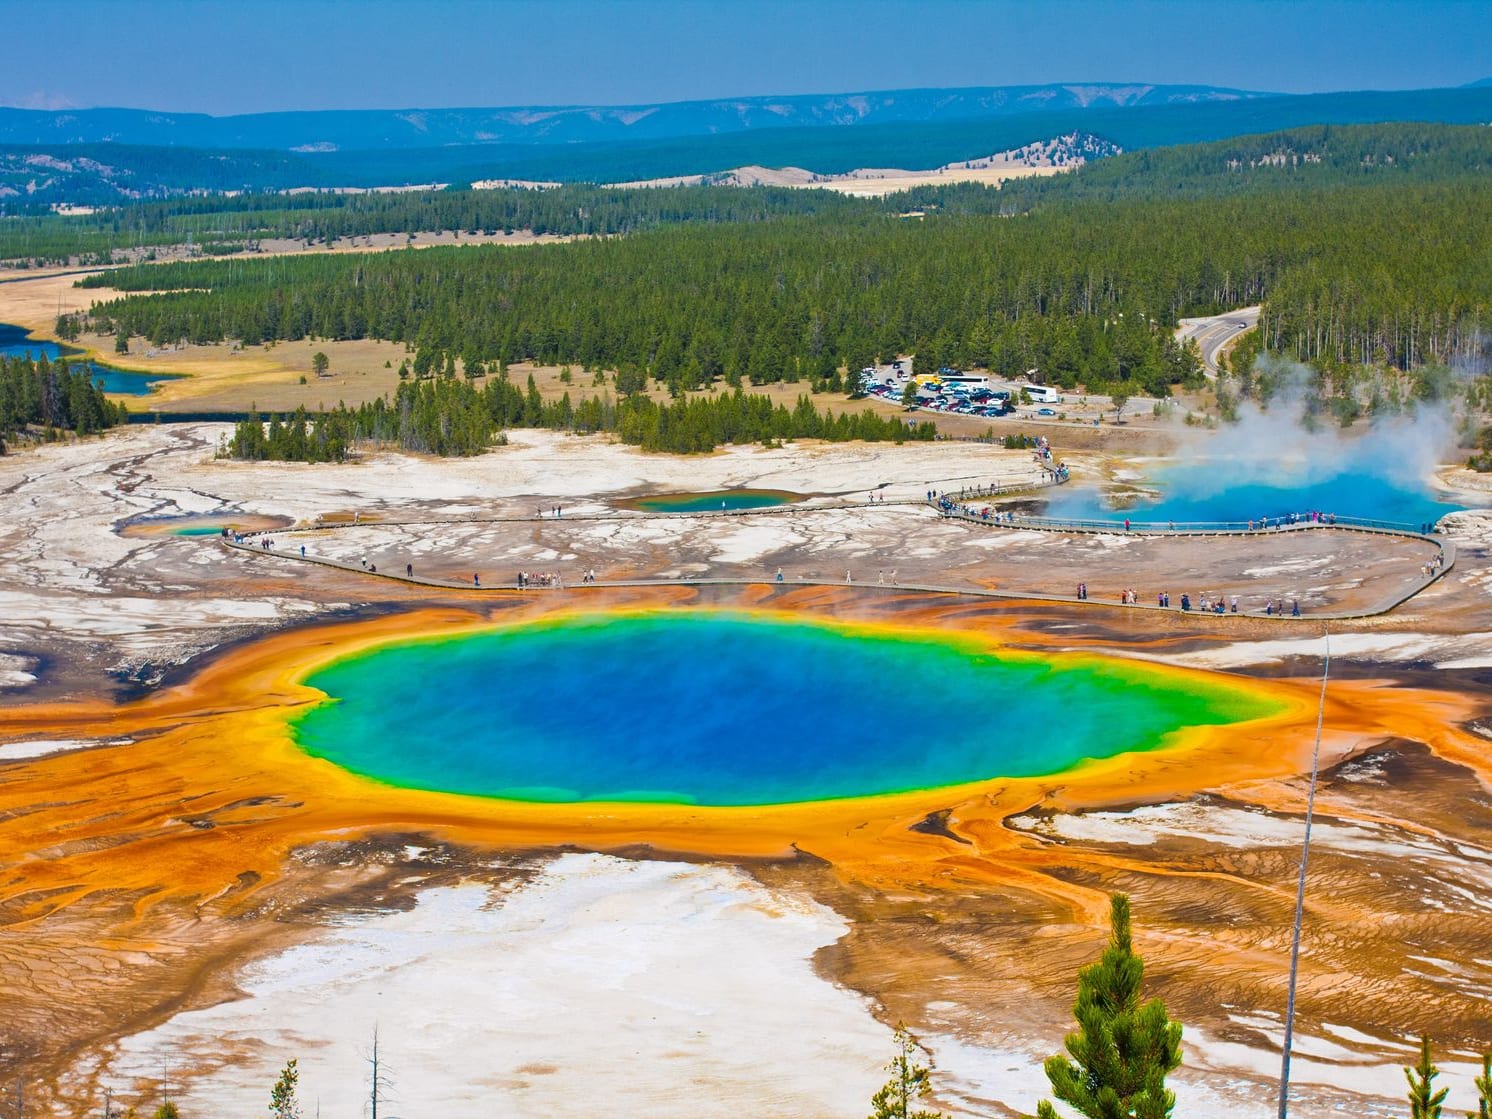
[476, 580]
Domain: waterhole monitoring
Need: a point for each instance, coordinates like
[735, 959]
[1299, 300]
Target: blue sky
[233, 56]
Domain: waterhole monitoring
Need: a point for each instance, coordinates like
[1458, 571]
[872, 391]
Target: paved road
[1212, 334]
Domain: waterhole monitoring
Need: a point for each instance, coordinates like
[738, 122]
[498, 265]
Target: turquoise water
[198, 530]
[1221, 491]
[732, 710]
[713, 501]
[14, 343]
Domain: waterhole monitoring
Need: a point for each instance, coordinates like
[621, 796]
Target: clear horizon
[254, 56]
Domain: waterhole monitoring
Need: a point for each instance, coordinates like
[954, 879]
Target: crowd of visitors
[554, 579]
[1204, 603]
[1313, 517]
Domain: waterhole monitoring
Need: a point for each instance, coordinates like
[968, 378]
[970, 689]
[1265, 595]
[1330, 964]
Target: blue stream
[14, 343]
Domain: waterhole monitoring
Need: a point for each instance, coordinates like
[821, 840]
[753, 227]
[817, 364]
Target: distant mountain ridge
[380, 129]
[35, 177]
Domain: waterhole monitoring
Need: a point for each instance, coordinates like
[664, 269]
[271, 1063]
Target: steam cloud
[1278, 448]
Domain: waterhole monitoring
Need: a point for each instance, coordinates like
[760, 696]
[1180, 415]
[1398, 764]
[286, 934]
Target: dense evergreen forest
[1315, 158]
[445, 416]
[218, 225]
[1084, 292]
[44, 398]
[215, 224]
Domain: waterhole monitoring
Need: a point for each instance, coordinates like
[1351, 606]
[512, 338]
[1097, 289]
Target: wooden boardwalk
[254, 544]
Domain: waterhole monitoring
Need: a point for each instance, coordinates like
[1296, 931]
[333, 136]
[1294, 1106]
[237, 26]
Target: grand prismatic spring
[723, 709]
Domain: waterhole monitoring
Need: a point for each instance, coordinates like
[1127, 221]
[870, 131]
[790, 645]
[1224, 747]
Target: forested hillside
[1313, 158]
[1309, 158]
[220, 225]
[1083, 291]
[33, 179]
[918, 146]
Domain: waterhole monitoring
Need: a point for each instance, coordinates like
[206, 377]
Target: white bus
[1042, 394]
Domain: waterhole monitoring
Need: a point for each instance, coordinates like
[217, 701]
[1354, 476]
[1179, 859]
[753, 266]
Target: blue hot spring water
[727, 709]
[713, 502]
[1214, 490]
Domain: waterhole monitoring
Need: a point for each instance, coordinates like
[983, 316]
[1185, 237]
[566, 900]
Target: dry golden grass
[36, 301]
[906, 180]
[867, 182]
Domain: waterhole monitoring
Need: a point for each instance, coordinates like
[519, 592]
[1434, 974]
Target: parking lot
[988, 399]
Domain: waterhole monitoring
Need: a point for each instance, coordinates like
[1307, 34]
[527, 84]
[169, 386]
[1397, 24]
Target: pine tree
[1424, 1101]
[1121, 1049]
[1483, 1090]
[282, 1102]
[908, 1084]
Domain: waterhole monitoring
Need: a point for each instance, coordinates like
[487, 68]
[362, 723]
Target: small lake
[15, 343]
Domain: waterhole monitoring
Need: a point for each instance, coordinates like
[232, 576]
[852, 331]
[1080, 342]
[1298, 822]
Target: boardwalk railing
[261, 543]
[964, 510]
